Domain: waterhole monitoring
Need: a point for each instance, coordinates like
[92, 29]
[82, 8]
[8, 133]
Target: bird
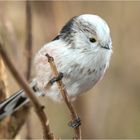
[81, 51]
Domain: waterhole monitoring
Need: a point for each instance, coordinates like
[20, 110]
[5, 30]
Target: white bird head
[87, 31]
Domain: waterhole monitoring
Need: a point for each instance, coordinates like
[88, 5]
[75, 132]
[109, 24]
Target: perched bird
[81, 51]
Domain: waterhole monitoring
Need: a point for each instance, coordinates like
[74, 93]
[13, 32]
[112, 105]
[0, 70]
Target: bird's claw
[57, 78]
[76, 123]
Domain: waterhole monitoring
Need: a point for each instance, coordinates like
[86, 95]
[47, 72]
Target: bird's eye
[93, 40]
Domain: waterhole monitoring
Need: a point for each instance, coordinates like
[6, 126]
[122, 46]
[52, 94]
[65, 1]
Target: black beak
[106, 47]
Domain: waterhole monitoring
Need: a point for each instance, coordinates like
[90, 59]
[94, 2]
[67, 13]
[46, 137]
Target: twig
[3, 93]
[65, 96]
[28, 38]
[28, 50]
[37, 106]
[19, 117]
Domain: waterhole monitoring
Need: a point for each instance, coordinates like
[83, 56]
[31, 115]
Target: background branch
[3, 93]
[28, 38]
[14, 122]
[18, 118]
[28, 51]
[37, 106]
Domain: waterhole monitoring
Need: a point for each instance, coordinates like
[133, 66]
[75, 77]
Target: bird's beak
[106, 47]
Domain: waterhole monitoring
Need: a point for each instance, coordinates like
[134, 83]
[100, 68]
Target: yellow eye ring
[92, 40]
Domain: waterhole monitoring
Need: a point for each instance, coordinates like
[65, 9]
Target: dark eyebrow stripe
[89, 30]
[85, 27]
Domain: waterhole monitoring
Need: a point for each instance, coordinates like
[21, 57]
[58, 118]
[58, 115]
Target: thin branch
[63, 91]
[28, 49]
[3, 93]
[28, 38]
[19, 117]
[22, 82]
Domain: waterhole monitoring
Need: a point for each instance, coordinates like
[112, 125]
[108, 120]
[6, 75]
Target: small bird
[81, 51]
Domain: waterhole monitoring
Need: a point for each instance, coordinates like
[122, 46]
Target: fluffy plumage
[82, 62]
[81, 51]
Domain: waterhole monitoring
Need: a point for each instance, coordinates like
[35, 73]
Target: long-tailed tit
[81, 51]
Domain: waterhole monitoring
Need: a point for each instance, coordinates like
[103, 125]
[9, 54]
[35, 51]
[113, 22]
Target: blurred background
[112, 108]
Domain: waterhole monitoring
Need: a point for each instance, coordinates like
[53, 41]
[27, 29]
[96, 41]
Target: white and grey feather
[82, 62]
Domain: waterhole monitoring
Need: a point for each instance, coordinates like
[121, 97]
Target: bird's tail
[16, 101]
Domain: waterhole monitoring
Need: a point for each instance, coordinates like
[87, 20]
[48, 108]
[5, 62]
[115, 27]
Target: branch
[65, 96]
[22, 82]
[28, 50]
[19, 117]
[28, 38]
[3, 92]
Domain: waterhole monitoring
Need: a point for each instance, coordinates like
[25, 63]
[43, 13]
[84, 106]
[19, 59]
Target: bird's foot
[57, 78]
[76, 123]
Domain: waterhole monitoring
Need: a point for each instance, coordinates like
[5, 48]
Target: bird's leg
[53, 80]
[56, 78]
[75, 123]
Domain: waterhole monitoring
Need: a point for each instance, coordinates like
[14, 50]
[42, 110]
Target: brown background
[112, 108]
